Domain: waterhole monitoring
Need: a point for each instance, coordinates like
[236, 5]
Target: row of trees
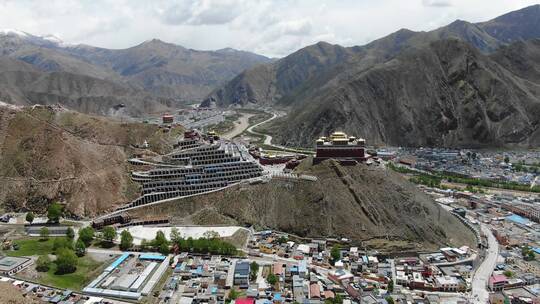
[428, 180]
[209, 243]
[493, 184]
[54, 212]
[526, 168]
[434, 180]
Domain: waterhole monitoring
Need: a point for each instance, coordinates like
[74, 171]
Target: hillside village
[404, 170]
[270, 266]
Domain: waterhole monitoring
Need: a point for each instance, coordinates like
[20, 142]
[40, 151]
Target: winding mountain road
[268, 138]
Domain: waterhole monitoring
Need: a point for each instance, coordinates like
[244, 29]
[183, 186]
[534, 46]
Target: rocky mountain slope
[169, 70]
[145, 78]
[446, 87]
[51, 154]
[367, 204]
[24, 84]
[444, 94]
[285, 80]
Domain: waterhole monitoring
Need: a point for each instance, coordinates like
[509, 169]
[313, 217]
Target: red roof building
[497, 282]
[314, 291]
[278, 269]
[245, 301]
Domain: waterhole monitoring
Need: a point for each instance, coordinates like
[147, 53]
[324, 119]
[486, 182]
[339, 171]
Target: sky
[273, 28]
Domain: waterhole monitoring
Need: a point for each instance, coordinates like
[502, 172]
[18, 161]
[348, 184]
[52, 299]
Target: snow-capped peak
[45, 39]
[52, 38]
[7, 32]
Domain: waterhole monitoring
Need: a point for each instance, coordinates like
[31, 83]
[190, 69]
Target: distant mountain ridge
[150, 76]
[326, 87]
[445, 94]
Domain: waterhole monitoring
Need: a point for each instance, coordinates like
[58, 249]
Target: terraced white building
[195, 168]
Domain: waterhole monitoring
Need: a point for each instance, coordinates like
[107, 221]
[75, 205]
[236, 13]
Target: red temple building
[340, 147]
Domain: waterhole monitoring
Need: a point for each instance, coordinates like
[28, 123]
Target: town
[150, 259]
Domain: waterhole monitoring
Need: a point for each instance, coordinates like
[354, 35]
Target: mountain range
[464, 84]
[151, 76]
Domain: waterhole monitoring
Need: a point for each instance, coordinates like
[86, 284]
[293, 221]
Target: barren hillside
[363, 203]
[51, 154]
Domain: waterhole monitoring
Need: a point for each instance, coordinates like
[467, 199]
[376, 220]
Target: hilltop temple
[341, 147]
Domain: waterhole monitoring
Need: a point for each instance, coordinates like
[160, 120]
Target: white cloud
[437, 3]
[270, 27]
[202, 12]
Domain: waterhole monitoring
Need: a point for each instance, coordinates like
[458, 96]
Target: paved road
[533, 182]
[480, 279]
[268, 138]
[105, 251]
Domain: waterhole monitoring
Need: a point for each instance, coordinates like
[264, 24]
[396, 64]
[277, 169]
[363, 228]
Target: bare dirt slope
[51, 154]
[362, 203]
[9, 294]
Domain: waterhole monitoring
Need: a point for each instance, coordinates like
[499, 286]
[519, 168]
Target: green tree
[282, 239]
[80, 248]
[506, 159]
[126, 240]
[531, 256]
[508, 273]
[389, 300]
[62, 243]
[272, 279]
[109, 234]
[66, 261]
[54, 212]
[254, 269]
[176, 236]
[234, 294]
[391, 286]
[164, 249]
[42, 263]
[335, 254]
[211, 234]
[160, 240]
[144, 245]
[70, 233]
[44, 233]
[29, 217]
[338, 299]
[86, 235]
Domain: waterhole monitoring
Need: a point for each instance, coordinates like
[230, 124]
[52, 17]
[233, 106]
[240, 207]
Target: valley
[401, 170]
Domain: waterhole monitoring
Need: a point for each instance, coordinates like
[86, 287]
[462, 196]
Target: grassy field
[31, 246]
[87, 269]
